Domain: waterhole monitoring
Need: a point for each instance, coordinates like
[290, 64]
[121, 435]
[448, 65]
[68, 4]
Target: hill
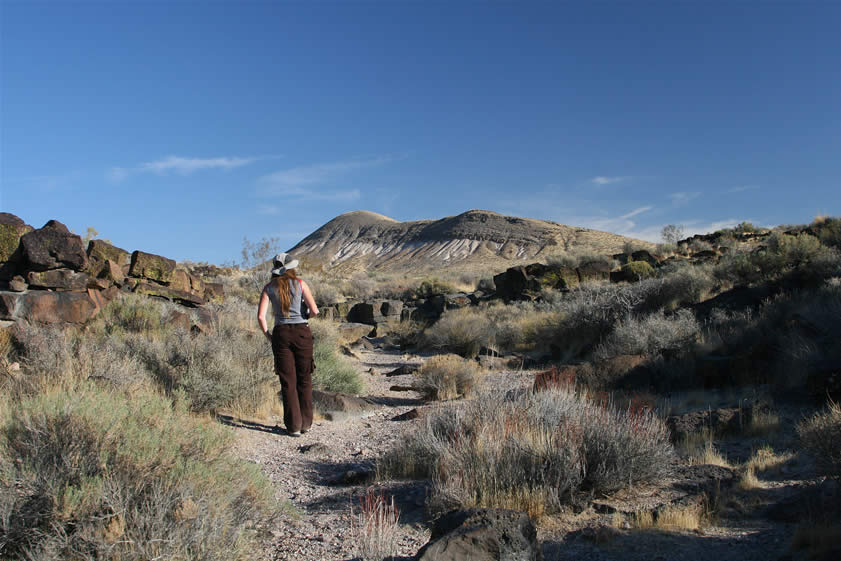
[477, 240]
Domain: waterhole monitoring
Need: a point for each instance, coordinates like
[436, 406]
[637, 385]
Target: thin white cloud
[635, 212]
[743, 188]
[605, 180]
[180, 165]
[684, 197]
[303, 182]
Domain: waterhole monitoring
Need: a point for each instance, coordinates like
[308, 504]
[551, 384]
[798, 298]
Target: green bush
[639, 270]
[433, 286]
[97, 474]
[333, 372]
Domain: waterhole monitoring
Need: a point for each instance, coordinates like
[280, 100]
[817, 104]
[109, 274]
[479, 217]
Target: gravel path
[320, 526]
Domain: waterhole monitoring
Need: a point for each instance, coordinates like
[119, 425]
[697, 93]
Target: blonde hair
[284, 293]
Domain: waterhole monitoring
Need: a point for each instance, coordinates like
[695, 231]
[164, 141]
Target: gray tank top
[294, 307]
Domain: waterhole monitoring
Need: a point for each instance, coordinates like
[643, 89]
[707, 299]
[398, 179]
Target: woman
[291, 341]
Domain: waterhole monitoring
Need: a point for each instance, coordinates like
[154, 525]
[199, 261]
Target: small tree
[672, 233]
[257, 253]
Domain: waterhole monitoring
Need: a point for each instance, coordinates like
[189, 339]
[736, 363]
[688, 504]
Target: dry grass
[821, 437]
[762, 424]
[373, 527]
[709, 455]
[445, 377]
[763, 460]
[672, 517]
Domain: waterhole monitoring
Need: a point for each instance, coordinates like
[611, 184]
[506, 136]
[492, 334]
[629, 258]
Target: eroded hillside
[472, 241]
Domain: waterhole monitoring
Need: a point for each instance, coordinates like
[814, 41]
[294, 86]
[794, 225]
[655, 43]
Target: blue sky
[181, 127]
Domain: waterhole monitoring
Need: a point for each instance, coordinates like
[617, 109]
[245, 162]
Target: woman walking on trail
[291, 340]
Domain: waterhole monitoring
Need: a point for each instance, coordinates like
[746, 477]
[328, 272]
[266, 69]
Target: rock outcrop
[48, 277]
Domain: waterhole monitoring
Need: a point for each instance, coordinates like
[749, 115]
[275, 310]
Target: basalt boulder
[482, 533]
[60, 279]
[12, 229]
[150, 266]
[100, 252]
[53, 247]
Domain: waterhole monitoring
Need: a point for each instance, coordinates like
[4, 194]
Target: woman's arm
[261, 314]
[305, 288]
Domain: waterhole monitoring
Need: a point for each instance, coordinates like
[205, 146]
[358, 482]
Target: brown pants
[293, 364]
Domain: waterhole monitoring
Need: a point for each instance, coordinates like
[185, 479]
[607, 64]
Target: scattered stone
[482, 533]
[347, 351]
[403, 370]
[401, 389]
[315, 448]
[352, 477]
[409, 415]
[329, 402]
[17, 284]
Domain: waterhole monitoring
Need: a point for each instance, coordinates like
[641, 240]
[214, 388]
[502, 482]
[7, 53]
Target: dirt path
[302, 470]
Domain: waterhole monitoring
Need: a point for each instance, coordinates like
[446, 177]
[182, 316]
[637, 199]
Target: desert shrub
[97, 474]
[325, 293]
[445, 377]
[406, 333]
[649, 335]
[631, 246]
[794, 250]
[639, 270]
[744, 228]
[696, 246]
[333, 372]
[824, 264]
[359, 287]
[433, 286]
[663, 250]
[829, 231]
[463, 331]
[534, 452]
[582, 317]
[133, 313]
[821, 437]
[573, 259]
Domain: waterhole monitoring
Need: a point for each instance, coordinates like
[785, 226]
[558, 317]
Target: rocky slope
[474, 240]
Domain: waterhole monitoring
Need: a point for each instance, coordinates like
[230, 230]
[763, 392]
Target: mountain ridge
[473, 240]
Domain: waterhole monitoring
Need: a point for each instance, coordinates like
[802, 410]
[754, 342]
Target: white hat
[283, 264]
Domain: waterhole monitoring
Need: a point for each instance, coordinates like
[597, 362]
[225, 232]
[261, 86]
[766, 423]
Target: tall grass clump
[333, 372]
[94, 473]
[445, 377]
[532, 453]
[821, 437]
